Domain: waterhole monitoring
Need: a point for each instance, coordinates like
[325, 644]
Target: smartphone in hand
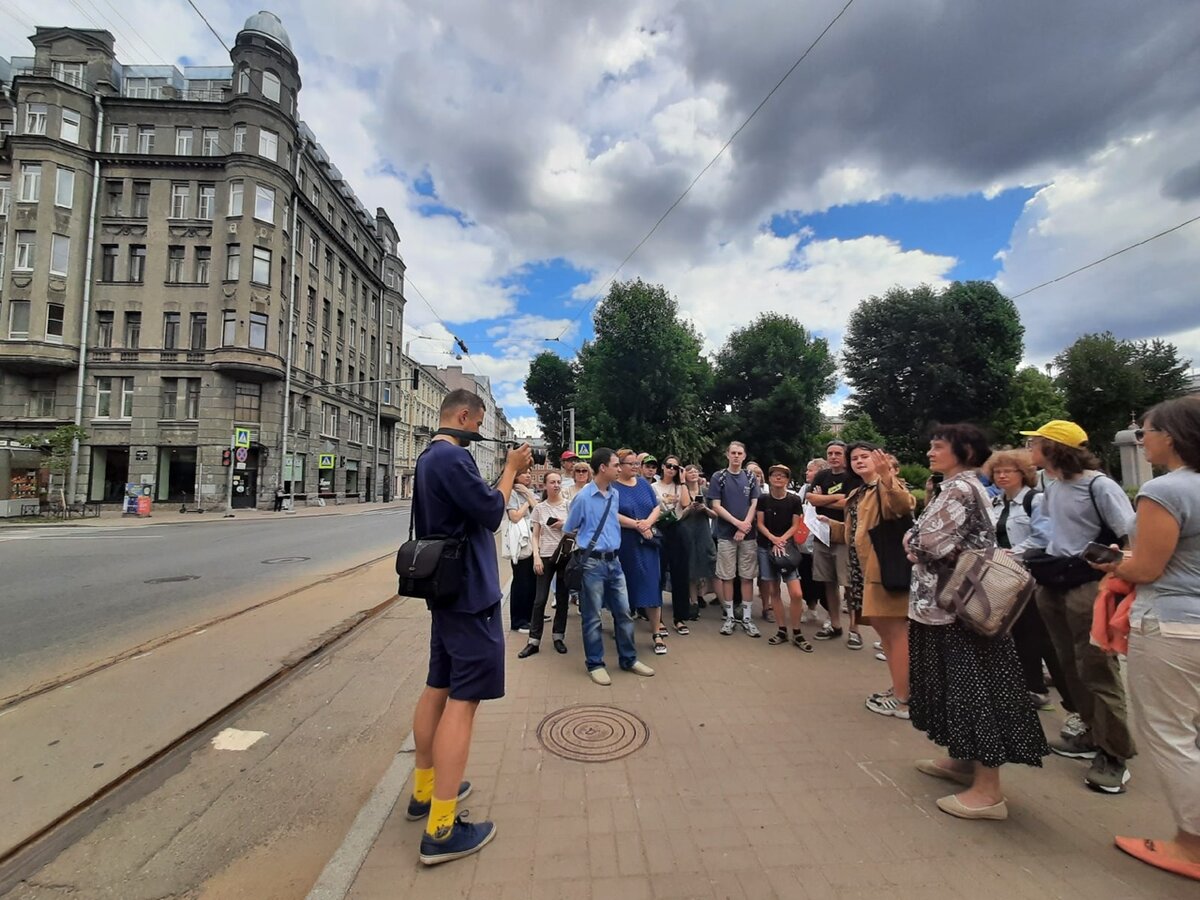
[1100, 554]
[553, 520]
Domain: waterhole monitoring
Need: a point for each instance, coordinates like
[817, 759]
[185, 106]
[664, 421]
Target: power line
[1153, 237]
[203, 18]
[137, 34]
[710, 164]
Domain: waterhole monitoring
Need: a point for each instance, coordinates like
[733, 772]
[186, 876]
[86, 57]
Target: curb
[337, 878]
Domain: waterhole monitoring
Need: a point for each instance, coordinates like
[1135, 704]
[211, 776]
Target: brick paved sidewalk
[763, 776]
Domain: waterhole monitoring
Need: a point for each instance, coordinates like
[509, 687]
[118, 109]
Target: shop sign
[141, 455]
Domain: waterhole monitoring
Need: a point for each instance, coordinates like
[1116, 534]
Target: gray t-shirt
[1175, 597]
[1073, 521]
[736, 493]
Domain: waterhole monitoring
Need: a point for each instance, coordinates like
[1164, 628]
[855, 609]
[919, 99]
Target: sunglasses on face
[670, 465]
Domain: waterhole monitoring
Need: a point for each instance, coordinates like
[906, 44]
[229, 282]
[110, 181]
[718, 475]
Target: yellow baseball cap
[1062, 432]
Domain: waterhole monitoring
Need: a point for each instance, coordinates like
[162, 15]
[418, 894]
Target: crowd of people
[851, 544]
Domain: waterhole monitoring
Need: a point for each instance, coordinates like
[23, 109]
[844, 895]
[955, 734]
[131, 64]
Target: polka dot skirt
[967, 693]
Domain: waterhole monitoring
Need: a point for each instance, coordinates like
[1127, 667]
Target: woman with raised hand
[524, 582]
[675, 498]
[1164, 634]
[966, 691]
[638, 510]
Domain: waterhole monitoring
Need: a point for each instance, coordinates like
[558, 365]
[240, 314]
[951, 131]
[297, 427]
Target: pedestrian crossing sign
[583, 449]
[326, 461]
[241, 437]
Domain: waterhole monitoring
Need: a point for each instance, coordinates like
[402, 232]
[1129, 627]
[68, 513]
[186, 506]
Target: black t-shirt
[777, 514]
[826, 482]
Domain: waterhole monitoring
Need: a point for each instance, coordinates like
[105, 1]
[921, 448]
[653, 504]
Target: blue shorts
[466, 653]
[767, 572]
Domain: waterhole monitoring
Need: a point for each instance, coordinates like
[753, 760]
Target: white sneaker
[727, 628]
[600, 676]
[878, 645]
[750, 628]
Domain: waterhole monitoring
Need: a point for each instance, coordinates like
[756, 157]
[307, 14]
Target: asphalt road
[72, 596]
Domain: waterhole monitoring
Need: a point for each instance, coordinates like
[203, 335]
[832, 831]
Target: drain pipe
[297, 260]
[375, 478]
[81, 378]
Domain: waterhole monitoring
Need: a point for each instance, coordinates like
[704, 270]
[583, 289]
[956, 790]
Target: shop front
[110, 473]
[352, 478]
[22, 482]
[176, 479]
[325, 474]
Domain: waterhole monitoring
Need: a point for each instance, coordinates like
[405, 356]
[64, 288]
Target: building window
[55, 313]
[312, 305]
[104, 328]
[356, 423]
[387, 395]
[26, 245]
[68, 72]
[329, 265]
[206, 201]
[264, 204]
[137, 263]
[324, 370]
[261, 272]
[126, 385]
[18, 319]
[301, 413]
[341, 325]
[370, 432]
[35, 118]
[314, 249]
[243, 80]
[329, 419]
[308, 357]
[387, 354]
[145, 136]
[239, 138]
[141, 199]
[183, 142]
[388, 316]
[60, 254]
[5, 194]
[133, 330]
[233, 262]
[170, 331]
[118, 140]
[114, 198]
[268, 144]
[247, 402]
[108, 262]
[258, 331]
[341, 281]
[326, 311]
[235, 198]
[170, 396]
[203, 264]
[228, 328]
[105, 407]
[31, 182]
[175, 264]
[180, 194]
[270, 86]
[69, 130]
[41, 403]
[191, 408]
[210, 141]
[104, 387]
[353, 330]
[64, 187]
[199, 331]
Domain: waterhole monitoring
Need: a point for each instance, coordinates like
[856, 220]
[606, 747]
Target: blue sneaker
[419, 810]
[463, 839]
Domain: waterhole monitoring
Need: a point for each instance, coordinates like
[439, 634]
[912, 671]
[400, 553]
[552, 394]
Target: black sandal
[779, 637]
[800, 642]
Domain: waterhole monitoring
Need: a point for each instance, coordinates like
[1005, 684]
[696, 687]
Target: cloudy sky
[524, 149]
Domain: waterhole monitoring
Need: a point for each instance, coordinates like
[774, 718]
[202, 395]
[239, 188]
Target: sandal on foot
[660, 646]
[828, 632]
[779, 637]
[800, 642]
[680, 628]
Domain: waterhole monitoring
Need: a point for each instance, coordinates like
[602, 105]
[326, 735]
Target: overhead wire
[670, 209]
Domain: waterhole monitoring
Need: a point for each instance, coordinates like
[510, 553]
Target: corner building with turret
[170, 239]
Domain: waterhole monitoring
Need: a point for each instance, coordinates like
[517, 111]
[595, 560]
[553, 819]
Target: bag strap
[603, 518]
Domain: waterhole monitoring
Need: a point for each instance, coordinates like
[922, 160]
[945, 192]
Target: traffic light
[226, 457]
[416, 379]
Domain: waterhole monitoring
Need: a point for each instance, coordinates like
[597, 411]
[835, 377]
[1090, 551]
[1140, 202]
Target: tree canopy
[1035, 400]
[550, 387]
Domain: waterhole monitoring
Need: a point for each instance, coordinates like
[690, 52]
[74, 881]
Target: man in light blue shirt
[603, 579]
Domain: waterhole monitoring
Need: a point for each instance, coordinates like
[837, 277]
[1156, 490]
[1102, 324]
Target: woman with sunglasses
[581, 474]
[696, 524]
[675, 498]
[637, 512]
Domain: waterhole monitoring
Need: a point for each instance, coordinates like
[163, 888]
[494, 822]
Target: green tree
[643, 381]
[58, 443]
[860, 427]
[771, 377]
[1035, 400]
[550, 387]
[1107, 381]
[919, 356]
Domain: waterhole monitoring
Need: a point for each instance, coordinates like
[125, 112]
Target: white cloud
[526, 426]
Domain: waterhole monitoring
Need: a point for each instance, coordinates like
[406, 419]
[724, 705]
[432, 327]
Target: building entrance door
[245, 482]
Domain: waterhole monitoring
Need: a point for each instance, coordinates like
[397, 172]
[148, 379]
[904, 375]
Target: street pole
[572, 429]
[229, 480]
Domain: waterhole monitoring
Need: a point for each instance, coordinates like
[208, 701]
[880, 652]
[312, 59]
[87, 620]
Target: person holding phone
[675, 498]
[551, 552]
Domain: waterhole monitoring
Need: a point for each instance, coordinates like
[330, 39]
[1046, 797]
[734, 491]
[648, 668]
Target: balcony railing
[204, 96]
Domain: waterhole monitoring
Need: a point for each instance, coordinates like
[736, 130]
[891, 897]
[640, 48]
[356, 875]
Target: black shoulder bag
[430, 567]
[1065, 572]
[579, 559]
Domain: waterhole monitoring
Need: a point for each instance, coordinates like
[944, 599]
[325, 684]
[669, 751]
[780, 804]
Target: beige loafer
[640, 668]
[600, 676]
[955, 807]
[930, 767]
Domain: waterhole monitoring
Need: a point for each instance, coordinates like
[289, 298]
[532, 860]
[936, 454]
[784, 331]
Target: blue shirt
[584, 518]
[452, 498]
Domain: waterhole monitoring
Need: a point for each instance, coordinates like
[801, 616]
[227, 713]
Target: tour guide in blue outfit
[603, 580]
[466, 641]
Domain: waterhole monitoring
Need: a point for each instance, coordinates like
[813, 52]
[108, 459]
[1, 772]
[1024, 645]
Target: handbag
[431, 567]
[788, 561]
[573, 575]
[987, 590]
[887, 540]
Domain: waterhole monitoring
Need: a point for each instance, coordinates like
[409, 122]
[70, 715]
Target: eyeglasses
[670, 465]
[1004, 471]
[582, 470]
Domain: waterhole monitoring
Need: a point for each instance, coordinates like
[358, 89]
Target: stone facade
[220, 225]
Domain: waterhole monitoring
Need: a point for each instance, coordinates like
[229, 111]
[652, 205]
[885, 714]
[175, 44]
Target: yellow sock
[441, 816]
[422, 785]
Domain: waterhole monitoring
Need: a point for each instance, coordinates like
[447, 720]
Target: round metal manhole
[592, 733]
[171, 578]
[285, 559]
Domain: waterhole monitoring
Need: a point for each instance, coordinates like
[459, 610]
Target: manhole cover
[170, 578]
[285, 559]
[592, 733]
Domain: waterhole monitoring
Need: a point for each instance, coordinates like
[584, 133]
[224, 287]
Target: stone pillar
[1135, 470]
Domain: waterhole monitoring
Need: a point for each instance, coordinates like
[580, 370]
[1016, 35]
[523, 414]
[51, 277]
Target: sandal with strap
[660, 646]
[779, 637]
[804, 645]
[680, 628]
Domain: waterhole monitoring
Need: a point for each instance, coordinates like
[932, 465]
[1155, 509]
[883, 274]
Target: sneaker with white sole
[888, 706]
[1079, 746]
[750, 628]
[1073, 726]
[600, 676]
[460, 839]
[727, 628]
[827, 633]
[1107, 774]
[881, 656]
[854, 641]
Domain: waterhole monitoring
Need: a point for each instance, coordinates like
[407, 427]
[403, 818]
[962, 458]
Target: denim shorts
[767, 572]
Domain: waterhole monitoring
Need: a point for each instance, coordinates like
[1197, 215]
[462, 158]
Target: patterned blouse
[956, 520]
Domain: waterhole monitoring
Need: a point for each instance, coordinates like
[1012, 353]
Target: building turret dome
[268, 24]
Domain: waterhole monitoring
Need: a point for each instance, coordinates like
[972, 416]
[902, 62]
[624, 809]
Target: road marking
[236, 739]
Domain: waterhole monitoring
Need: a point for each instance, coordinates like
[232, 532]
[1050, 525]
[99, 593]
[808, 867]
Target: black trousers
[1034, 645]
[675, 553]
[561, 599]
[520, 599]
[814, 591]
